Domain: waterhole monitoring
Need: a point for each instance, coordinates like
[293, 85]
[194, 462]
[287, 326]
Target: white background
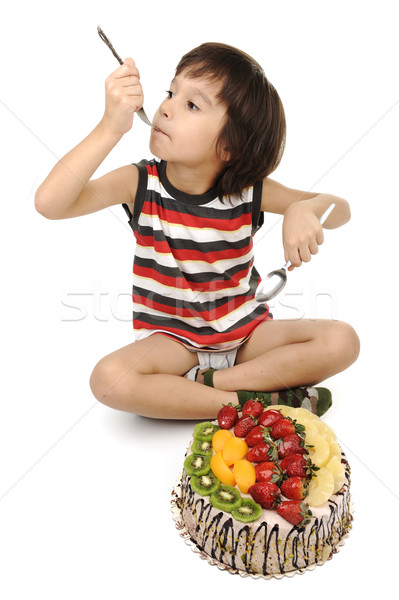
[85, 490]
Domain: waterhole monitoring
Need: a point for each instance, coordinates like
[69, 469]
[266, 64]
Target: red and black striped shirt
[194, 278]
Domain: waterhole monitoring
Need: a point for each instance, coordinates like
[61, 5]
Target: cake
[265, 492]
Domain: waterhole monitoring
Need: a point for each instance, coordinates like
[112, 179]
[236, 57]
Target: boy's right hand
[123, 97]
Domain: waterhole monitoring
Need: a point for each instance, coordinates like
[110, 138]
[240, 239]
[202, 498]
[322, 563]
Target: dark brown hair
[254, 132]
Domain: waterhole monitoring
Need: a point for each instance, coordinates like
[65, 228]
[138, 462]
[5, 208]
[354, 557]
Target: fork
[141, 112]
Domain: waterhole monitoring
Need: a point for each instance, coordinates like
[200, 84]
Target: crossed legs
[145, 377]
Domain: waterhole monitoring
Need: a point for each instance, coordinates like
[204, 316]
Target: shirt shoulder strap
[257, 214]
[140, 194]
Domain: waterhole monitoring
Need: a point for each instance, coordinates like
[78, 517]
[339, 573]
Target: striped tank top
[194, 278]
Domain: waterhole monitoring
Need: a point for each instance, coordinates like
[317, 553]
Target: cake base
[176, 507]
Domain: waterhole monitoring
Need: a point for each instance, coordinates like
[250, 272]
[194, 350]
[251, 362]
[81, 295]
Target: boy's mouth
[158, 130]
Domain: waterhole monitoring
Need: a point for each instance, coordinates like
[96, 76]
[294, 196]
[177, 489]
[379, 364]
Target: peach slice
[234, 449]
[220, 438]
[221, 470]
[244, 474]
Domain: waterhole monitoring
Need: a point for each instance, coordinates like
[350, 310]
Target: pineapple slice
[329, 431]
[304, 413]
[309, 424]
[337, 469]
[335, 450]
[308, 419]
[320, 452]
[320, 488]
[328, 437]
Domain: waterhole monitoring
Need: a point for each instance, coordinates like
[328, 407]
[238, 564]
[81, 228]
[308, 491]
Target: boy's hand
[302, 234]
[123, 97]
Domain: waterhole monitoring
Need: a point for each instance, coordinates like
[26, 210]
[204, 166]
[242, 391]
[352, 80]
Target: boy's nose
[165, 110]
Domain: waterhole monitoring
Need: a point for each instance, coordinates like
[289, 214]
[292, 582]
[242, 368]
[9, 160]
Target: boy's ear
[225, 154]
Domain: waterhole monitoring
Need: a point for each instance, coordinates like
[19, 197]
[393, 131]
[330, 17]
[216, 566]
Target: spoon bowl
[275, 281]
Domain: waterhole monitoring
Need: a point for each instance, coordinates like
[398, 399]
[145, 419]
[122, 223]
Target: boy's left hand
[302, 234]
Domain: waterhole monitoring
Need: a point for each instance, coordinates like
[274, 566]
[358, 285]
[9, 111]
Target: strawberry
[265, 493]
[227, 416]
[252, 407]
[262, 452]
[291, 444]
[284, 427]
[244, 426]
[294, 488]
[256, 435]
[268, 471]
[296, 465]
[295, 512]
[269, 417]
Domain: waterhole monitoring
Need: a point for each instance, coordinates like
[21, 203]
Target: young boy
[217, 136]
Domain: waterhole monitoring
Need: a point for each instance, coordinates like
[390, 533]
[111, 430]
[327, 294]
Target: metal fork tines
[141, 112]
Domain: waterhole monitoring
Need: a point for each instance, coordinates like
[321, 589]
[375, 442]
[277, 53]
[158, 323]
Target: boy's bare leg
[145, 378]
[290, 353]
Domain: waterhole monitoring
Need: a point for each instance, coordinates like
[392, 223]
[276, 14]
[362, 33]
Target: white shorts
[213, 360]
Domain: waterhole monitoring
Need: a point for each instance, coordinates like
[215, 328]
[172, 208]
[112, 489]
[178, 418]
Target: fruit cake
[265, 491]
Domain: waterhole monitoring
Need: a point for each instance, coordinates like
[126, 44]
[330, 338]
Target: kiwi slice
[227, 498]
[205, 431]
[196, 464]
[248, 511]
[205, 485]
[200, 447]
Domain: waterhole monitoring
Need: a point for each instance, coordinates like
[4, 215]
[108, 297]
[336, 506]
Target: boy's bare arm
[302, 231]
[277, 198]
[68, 191]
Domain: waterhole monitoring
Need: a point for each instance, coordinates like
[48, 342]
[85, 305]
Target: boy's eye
[190, 104]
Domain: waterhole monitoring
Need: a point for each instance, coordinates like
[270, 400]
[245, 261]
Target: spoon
[141, 112]
[276, 280]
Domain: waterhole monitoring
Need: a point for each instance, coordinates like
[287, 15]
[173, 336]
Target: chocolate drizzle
[255, 548]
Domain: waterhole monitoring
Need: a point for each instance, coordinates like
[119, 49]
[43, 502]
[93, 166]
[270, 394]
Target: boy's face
[188, 123]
